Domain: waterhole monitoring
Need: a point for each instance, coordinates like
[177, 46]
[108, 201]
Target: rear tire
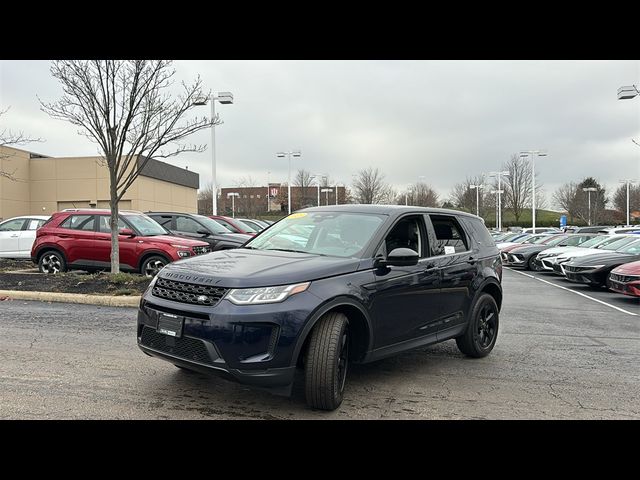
[327, 361]
[482, 330]
[52, 262]
[531, 263]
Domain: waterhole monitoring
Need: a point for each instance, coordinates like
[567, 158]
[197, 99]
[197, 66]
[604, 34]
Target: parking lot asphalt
[559, 355]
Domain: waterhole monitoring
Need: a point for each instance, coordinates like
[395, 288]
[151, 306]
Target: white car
[546, 257]
[18, 234]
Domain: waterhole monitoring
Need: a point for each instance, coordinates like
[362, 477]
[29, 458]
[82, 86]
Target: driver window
[187, 225]
[407, 233]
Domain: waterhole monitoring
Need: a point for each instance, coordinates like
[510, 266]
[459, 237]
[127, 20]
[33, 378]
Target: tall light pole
[327, 190]
[295, 153]
[338, 185]
[477, 188]
[533, 154]
[225, 98]
[504, 173]
[628, 182]
[317, 178]
[589, 189]
[268, 192]
[233, 196]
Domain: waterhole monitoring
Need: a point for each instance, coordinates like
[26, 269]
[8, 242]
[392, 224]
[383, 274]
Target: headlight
[254, 296]
[592, 266]
[180, 246]
[563, 260]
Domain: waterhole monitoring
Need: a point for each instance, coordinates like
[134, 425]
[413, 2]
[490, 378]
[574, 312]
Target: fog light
[184, 254]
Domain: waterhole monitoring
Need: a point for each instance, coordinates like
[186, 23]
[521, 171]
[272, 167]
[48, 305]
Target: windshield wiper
[296, 251]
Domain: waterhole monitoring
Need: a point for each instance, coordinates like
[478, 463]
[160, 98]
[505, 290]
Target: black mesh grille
[185, 347]
[201, 250]
[624, 278]
[188, 292]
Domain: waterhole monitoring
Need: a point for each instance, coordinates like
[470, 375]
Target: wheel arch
[152, 253]
[493, 288]
[49, 248]
[359, 322]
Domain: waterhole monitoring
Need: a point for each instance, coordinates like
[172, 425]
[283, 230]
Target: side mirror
[399, 257]
[204, 233]
[126, 232]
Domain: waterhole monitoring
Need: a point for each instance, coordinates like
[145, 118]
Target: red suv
[81, 239]
[235, 225]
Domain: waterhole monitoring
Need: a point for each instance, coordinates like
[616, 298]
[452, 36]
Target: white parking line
[573, 291]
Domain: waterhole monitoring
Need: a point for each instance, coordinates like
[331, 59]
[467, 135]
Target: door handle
[64, 236]
[15, 236]
[103, 238]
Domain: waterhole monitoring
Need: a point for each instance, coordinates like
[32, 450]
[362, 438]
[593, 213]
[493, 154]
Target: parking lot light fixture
[477, 188]
[627, 92]
[504, 173]
[295, 153]
[590, 189]
[628, 182]
[533, 154]
[225, 98]
[233, 196]
[327, 190]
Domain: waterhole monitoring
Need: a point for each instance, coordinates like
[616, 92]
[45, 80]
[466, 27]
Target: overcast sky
[440, 119]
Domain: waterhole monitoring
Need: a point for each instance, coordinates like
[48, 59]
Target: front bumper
[582, 277]
[252, 344]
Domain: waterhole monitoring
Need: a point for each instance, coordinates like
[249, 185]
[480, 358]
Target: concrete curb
[104, 300]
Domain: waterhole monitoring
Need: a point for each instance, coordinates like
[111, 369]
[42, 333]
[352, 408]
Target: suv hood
[604, 259]
[187, 242]
[244, 268]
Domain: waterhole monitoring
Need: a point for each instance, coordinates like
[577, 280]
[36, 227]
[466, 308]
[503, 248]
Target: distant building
[271, 200]
[43, 185]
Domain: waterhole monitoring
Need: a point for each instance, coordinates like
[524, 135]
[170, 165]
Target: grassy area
[544, 218]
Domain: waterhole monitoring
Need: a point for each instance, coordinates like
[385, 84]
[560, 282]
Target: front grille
[185, 347]
[624, 278]
[569, 268]
[201, 250]
[188, 292]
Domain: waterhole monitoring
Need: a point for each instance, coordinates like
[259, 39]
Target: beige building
[33, 184]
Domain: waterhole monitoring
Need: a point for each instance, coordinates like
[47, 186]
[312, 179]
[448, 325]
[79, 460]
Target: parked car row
[81, 238]
[597, 259]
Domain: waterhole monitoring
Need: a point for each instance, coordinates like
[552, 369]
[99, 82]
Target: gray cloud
[441, 119]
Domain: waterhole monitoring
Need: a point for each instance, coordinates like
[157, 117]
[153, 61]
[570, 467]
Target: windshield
[323, 233]
[212, 225]
[245, 226]
[632, 248]
[619, 243]
[594, 241]
[556, 241]
[146, 226]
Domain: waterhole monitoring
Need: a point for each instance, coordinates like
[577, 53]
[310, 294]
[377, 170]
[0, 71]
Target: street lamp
[338, 190]
[590, 189]
[327, 190]
[628, 181]
[295, 153]
[477, 188]
[268, 193]
[627, 92]
[225, 98]
[533, 154]
[317, 178]
[233, 196]
[504, 173]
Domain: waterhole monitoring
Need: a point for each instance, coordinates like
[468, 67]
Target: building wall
[47, 185]
[14, 194]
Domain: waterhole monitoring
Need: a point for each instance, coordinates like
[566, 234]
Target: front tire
[52, 262]
[327, 361]
[152, 265]
[531, 263]
[482, 330]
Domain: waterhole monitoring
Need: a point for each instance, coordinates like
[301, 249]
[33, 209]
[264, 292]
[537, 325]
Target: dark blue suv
[324, 287]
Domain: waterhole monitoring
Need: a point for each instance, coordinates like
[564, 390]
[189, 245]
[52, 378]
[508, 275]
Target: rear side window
[450, 237]
[188, 225]
[35, 224]
[79, 222]
[163, 220]
[479, 232]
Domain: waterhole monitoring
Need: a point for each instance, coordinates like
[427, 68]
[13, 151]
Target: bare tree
[205, 199]
[575, 201]
[9, 139]
[620, 199]
[304, 180]
[565, 197]
[125, 108]
[248, 203]
[369, 187]
[517, 187]
[419, 194]
[462, 196]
